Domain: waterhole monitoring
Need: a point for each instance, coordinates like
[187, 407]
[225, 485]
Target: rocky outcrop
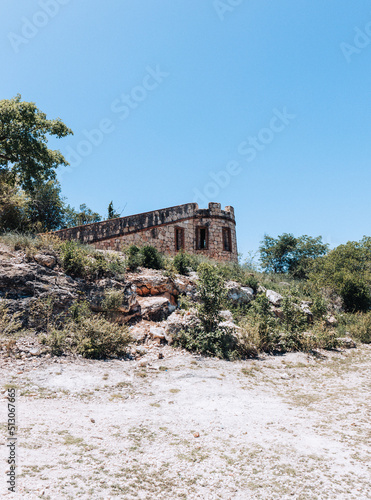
[239, 294]
[274, 297]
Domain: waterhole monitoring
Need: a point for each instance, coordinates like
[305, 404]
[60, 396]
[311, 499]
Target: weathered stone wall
[158, 228]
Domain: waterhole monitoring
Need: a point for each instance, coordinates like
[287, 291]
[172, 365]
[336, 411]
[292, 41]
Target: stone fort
[210, 232]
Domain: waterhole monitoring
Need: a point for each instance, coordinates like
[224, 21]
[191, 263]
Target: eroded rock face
[23, 283]
[150, 282]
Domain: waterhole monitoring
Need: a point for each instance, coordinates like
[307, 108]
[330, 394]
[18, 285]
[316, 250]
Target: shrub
[9, 323]
[90, 335]
[74, 260]
[219, 342]
[112, 300]
[212, 295]
[134, 257]
[358, 325]
[95, 337]
[21, 241]
[182, 262]
[42, 313]
[151, 257]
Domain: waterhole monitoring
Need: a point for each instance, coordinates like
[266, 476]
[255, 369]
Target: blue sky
[257, 104]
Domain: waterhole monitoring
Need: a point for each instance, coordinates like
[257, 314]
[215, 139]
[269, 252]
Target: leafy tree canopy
[24, 155]
[73, 217]
[347, 270]
[291, 255]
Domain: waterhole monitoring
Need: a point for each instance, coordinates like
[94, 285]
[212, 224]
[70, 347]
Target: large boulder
[150, 282]
[155, 308]
[274, 297]
[177, 321]
[239, 294]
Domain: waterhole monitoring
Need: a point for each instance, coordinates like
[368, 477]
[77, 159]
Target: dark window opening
[179, 239]
[227, 243]
[202, 238]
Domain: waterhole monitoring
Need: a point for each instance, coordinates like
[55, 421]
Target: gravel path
[292, 426]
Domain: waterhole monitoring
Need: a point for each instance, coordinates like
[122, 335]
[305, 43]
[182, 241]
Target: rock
[261, 289]
[239, 294]
[277, 312]
[274, 297]
[331, 320]
[177, 321]
[230, 325]
[35, 352]
[346, 342]
[139, 332]
[226, 315]
[45, 260]
[157, 332]
[196, 434]
[304, 306]
[155, 308]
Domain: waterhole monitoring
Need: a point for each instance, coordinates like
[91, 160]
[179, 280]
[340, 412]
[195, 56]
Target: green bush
[134, 258]
[219, 342]
[74, 259]
[90, 335]
[182, 262]
[358, 325]
[209, 337]
[212, 295]
[151, 257]
[112, 300]
[10, 324]
[347, 271]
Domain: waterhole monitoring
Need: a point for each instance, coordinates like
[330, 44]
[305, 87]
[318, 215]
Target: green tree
[347, 270]
[13, 207]
[24, 155]
[112, 214]
[73, 217]
[212, 295]
[287, 254]
[45, 207]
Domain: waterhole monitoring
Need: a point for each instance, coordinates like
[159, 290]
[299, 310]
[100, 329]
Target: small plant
[358, 325]
[42, 313]
[112, 300]
[9, 323]
[151, 257]
[212, 296]
[134, 257]
[182, 262]
[90, 335]
[74, 259]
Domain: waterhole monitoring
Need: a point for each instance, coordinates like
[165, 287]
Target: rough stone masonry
[210, 232]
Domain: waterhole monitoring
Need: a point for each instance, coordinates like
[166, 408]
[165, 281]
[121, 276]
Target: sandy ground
[292, 426]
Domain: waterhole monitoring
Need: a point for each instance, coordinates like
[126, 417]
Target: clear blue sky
[270, 98]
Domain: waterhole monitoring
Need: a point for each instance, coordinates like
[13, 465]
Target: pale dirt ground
[292, 426]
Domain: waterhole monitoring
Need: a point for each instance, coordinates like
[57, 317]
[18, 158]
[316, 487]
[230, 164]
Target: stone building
[210, 232]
